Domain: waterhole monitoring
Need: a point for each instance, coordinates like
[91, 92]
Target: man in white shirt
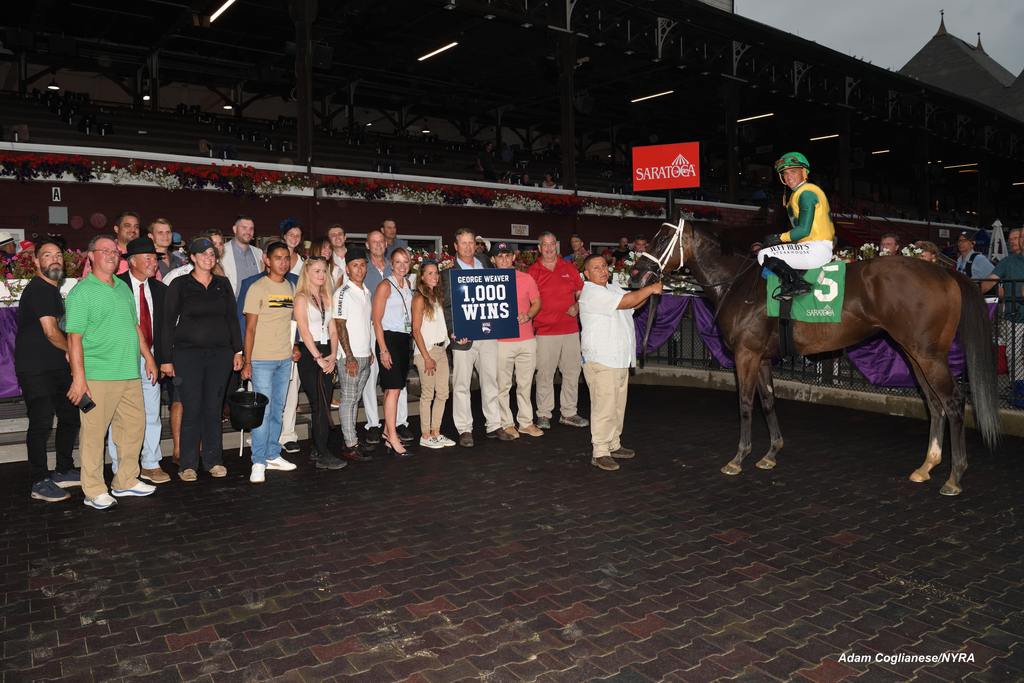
[352, 304]
[336, 236]
[241, 259]
[609, 349]
[148, 294]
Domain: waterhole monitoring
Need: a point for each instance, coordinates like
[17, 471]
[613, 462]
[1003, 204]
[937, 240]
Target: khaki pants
[119, 406]
[483, 356]
[521, 358]
[608, 388]
[433, 390]
[561, 351]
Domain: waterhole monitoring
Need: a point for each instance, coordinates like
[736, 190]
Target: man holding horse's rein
[808, 244]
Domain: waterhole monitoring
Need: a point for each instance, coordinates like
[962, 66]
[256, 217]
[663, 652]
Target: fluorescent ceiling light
[53, 85]
[648, 97]
[825, 137]
[438, 51]
[881, 151]
[755, 118]
[1018, 184]
[369, 124]
[221, 10]
[227, 106]
[145, 98]
[425, 131]
[973, 163]
[968, 170]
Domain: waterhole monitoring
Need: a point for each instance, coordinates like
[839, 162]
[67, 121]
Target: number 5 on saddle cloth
[823, 304]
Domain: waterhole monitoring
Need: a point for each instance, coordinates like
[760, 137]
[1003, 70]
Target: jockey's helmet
[792, 160]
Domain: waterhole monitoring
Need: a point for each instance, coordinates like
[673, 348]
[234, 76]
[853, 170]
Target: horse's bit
[676, 241]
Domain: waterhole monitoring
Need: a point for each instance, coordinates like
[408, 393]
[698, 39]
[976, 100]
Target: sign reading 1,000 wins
[484, 303]
[666, 167]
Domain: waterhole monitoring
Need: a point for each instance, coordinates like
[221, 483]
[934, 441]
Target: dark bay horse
[920, 305]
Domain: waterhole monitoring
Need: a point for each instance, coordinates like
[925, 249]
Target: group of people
[142, 323]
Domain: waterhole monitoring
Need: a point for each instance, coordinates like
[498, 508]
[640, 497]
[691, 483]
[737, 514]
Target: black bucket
[246, 409]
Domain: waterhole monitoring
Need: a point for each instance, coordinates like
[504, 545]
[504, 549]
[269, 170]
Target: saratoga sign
[666, 167]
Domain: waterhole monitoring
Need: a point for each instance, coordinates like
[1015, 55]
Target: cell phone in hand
[86, 403]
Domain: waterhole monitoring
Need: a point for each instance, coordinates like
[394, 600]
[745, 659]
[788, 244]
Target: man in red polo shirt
[557, 328]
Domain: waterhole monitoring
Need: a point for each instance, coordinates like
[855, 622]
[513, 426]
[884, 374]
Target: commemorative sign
[666, 167]
[484, 304]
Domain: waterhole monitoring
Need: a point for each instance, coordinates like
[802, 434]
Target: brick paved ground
[520, 561]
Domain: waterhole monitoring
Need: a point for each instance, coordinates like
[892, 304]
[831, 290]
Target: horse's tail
[976, 338]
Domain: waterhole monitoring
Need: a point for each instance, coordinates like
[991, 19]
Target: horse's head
[668, 250]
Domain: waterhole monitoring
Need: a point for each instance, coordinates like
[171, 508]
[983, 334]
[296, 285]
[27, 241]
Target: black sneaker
[290, 447]
[48, 491]
[405, 434]
[329, 462]
[373, 436]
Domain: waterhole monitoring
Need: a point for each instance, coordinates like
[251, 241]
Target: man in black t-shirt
[621, 252]
[40, 361]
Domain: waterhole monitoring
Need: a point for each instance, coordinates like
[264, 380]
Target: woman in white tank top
[431, 356]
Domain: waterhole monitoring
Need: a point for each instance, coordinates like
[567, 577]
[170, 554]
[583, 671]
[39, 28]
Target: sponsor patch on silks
[824, 304]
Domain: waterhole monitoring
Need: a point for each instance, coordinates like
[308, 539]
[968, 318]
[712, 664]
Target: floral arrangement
[525, 259]
[444, 260]
[912, 250]
[869, 251]
[244, 180]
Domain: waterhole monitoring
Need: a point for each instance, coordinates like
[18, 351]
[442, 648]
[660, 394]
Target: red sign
[666, 167]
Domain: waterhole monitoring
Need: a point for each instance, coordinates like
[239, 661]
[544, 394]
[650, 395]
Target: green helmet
[792, 160]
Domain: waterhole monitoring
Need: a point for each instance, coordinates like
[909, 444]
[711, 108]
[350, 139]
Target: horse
[921, 305]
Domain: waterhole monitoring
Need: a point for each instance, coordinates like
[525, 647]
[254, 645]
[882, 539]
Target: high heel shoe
[404, 453]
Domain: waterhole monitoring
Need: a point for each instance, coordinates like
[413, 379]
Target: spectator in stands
[392, 324]
[241, 259]
[378, 269]
[201, 346]
[168, 258]
[621, 252]
[126, 228]
[974, 265]
[291, 234]
[889, 244]
[558, 333]
[639, 244]
[336, 236]
[548, 181]
[467, 355]
[149, 295]
[318, 350]
[391, 241]
[430, 337]
[8, 247]
[929, 250]
[485, 163]
[41, 365]
[609, 350]
[269, 355]
[104, 344]
[517, 355]
[577, 252]
[355, 338]
[1013, 241]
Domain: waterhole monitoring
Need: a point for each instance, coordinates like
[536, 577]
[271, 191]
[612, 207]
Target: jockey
[808, 244]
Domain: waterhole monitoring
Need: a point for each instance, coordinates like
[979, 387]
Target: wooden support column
[303, 13]
[566, 67]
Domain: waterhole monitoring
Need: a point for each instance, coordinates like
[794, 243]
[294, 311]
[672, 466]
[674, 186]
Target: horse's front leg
[766, 390]
[747, 365]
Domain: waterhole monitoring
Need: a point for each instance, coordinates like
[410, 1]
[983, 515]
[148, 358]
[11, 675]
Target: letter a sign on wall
[666, 167]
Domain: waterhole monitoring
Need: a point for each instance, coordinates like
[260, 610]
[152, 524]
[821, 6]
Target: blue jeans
[270, 378]
[150, 456]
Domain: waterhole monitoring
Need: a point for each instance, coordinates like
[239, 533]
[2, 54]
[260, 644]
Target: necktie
[145, 321]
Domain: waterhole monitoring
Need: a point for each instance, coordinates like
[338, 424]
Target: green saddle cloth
[823, 304]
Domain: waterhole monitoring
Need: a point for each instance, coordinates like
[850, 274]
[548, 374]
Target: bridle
[676, 242]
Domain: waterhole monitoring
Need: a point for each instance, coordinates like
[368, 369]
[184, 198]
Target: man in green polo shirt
[1009, 274]
[104, 343]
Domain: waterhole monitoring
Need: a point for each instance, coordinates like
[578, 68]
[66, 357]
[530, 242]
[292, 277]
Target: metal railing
[685, 348]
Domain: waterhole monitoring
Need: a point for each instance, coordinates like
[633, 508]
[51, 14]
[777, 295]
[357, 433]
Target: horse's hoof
[766, 463]
[919, 476]
[732, 469]
[948, 490]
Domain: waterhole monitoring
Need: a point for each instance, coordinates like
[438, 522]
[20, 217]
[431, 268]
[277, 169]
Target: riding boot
[791, 284]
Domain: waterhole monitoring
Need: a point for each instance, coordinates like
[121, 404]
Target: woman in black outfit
[204, 342]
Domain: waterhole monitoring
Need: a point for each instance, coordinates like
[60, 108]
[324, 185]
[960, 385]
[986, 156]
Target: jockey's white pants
[800, 255]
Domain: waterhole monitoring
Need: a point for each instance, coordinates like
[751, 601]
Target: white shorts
[800, 255]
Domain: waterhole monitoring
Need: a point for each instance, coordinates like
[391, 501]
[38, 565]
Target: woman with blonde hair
[930, 251]
[430, 354]
[318, 349]
[391, 314]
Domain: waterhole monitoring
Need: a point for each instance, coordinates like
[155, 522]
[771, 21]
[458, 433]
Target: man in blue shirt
[971, 263]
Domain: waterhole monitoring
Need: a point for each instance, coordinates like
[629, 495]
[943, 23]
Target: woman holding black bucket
[202, 338]
[318, 349]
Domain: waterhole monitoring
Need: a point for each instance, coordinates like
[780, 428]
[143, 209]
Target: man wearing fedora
[148, 294]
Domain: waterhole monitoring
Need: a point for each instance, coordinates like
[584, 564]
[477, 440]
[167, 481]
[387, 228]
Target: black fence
[686, 349]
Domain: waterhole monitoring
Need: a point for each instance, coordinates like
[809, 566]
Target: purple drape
[8, 331]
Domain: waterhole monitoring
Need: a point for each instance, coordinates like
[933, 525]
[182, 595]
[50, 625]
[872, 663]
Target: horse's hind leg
[936, 432]
[747, 364]
[936, 375]
[766, 390]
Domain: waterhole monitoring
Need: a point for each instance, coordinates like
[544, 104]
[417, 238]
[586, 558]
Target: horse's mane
[731, 240]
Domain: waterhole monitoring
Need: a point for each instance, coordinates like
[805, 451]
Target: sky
[889, 32]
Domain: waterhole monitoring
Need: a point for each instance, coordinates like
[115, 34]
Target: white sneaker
[258, 474]
[430, 442]
[279, 463]
[444, 441]
[101, 502]
[141, 488]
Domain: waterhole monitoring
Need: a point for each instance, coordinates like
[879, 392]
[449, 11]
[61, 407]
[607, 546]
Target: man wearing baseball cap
[973, 264]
